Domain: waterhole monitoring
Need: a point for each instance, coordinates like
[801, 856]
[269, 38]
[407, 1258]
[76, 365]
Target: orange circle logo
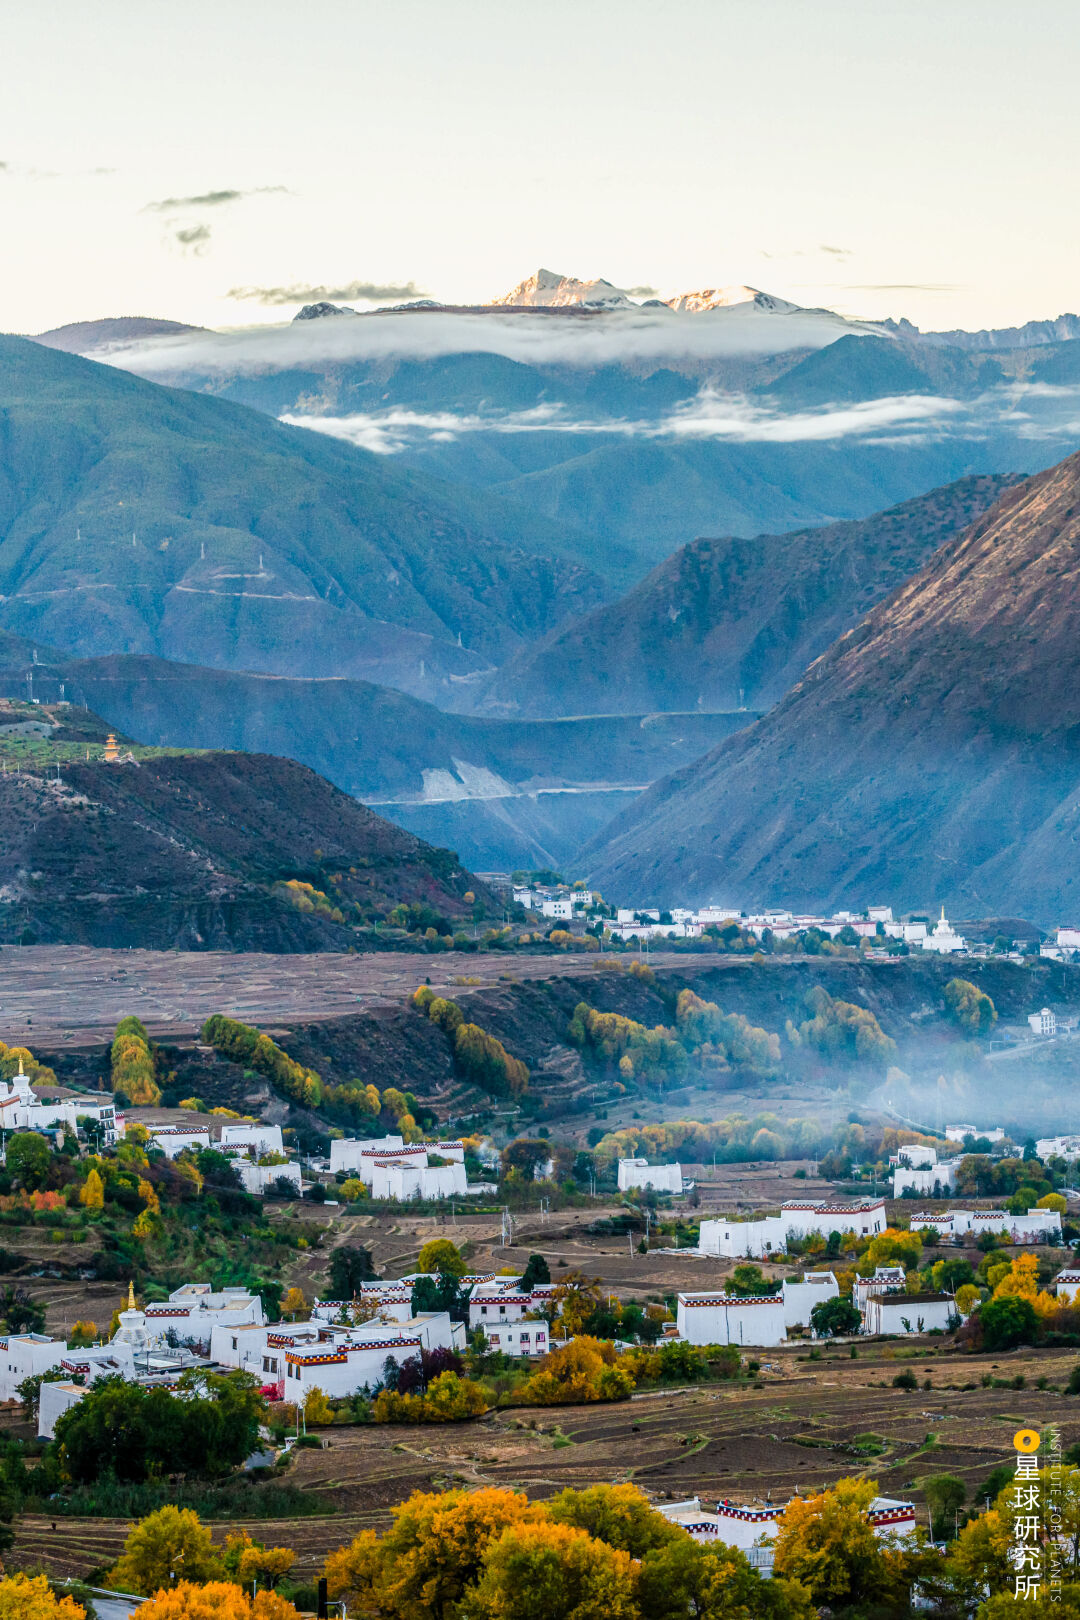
[1026, 1440]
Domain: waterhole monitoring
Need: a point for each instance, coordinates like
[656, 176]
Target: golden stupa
[112, 749]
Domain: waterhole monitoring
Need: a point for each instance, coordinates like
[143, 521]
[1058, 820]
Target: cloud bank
[367, 292]
[711, 416]
[532, 337]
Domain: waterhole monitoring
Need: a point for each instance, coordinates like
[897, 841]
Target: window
[483, 1310]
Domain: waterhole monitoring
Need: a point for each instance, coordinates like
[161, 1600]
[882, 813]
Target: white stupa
[132, 1329]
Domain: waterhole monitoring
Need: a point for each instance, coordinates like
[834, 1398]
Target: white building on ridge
[768, 1234]
[639, 1173]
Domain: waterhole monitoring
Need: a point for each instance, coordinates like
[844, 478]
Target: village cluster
[876, 925]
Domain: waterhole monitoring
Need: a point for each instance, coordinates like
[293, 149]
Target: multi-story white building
[191, 1313]
[21, 1109]
[752, 1527]
[1043, 1022]
[257, 1178]
[768, 1234]
[762, 1319]
[251, 1136]
[396, 1170]
[908, 1313]
[400, 1179]
[886, 1280]
[495, 1301]
[1037, 1226]
[915, 1155]
[519, 1338]
[639, 1173]
[936, 1181]
[1058, 1147]
[358, 1154]
[756, 1319]
[259, 1349]
[812, 1288]
[345, 1367]
[29, 1355]
[958, 1133]
[173, 1139]
[1067, 1285]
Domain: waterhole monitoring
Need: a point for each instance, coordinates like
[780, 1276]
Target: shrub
[905, 1380]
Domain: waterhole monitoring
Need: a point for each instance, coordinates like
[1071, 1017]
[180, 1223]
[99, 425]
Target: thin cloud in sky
[368, 292]
[837, 252]
[211, 199]
[193, 238]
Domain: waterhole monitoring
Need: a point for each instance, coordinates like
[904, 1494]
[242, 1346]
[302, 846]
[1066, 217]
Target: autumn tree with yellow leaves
[28, 1597]
[218, 1600]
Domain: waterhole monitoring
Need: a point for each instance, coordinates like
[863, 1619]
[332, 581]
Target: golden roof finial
[131, 1297]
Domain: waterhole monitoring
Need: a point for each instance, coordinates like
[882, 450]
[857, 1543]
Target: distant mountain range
[503, 793]
[634, 425]
[139, 518]
[932, 752]
[729, 624]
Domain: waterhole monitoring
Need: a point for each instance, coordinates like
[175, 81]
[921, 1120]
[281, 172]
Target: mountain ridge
[732, 622]
[931, 755]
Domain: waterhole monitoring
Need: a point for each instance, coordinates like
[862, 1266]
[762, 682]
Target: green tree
[29, 1159]
[349, 1268]
[684, 1581]
[833, 1317]
[1006, 1322]
[748, 1279]
[536, 1271]
[944, 1495]
[133, 1432]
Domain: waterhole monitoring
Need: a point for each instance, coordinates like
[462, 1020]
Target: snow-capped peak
[693, 303]
[548, 290]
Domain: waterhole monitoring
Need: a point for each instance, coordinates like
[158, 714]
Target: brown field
[76, 995]
[792, 1431]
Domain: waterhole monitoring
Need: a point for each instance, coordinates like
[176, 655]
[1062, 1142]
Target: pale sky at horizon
[915, 157]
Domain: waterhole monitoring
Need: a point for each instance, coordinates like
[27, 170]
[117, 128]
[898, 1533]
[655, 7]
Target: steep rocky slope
[932, 753]
[184, 851]
[732, 622]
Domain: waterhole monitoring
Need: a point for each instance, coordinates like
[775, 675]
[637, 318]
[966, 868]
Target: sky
[218, 163]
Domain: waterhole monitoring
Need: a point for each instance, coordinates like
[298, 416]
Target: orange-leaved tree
[218, 1600]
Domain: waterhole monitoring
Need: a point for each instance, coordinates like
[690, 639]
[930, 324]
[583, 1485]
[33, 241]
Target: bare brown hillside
[931, 753]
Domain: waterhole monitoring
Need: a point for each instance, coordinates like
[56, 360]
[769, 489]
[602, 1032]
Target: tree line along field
[803, 1425]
